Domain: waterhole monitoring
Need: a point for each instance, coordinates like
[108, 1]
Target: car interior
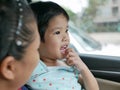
[106, 69]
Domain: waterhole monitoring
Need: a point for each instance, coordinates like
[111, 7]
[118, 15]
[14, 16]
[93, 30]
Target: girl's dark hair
[44, 12]
[15, 35]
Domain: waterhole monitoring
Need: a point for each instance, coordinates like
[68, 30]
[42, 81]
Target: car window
[94, 25]
[87, 42]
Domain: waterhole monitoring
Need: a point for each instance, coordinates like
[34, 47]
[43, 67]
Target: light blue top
[54, 78]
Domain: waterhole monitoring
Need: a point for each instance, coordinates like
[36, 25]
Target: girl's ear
[7, 68]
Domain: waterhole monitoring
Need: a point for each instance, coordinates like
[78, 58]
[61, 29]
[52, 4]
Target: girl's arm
[86, 78]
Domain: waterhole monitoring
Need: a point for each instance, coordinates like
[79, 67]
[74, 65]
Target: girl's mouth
[63, 49]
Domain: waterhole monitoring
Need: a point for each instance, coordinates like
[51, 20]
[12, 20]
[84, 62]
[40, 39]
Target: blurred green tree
[89, 14]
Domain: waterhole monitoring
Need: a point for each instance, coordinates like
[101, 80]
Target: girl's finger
[69, 62]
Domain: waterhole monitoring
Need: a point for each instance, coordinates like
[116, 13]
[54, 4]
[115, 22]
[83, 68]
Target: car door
[105, 68]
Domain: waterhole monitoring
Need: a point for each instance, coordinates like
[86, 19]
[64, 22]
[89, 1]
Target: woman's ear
[7, 68]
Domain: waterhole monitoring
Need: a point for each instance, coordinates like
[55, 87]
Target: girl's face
[56, 39]
[30, 59]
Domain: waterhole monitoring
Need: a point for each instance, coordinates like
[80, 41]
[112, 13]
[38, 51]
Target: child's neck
[51, 62]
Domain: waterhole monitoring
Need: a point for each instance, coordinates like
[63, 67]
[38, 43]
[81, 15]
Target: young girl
[19, 43]
[57, 74]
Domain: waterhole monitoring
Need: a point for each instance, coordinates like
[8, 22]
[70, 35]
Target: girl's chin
[63, 55]
[63, 52]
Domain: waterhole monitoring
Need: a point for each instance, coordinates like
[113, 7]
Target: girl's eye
[58, 32]
[66, 30]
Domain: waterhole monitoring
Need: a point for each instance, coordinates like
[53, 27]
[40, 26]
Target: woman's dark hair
[15, 35]
[44, 12]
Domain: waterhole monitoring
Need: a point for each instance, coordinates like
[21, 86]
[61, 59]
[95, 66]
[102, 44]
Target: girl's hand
[73, 59]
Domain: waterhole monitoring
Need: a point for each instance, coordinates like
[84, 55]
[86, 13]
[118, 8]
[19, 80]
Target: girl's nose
[65, 37]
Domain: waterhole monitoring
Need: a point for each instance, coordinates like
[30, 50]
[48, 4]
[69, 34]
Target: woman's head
[44, 12]
[18, 34]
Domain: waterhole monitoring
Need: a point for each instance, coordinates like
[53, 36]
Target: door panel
[105, 67]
